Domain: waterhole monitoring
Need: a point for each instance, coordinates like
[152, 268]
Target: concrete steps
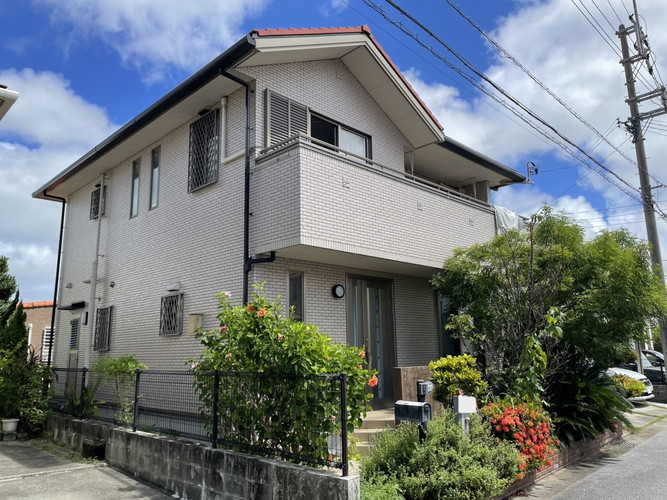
[375, 421]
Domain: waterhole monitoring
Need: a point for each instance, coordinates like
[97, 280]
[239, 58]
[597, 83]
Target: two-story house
[301, 158]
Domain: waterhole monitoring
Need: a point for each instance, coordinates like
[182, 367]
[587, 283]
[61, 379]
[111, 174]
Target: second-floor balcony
[312, 201]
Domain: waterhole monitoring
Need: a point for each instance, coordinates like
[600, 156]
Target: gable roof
[355, 47]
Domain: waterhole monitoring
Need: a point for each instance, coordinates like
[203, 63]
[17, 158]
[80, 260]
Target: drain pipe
[63, 201]
[247, 260]
[93, 278]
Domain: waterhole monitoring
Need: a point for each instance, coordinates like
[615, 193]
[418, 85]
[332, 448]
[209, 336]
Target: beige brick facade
[326, 215]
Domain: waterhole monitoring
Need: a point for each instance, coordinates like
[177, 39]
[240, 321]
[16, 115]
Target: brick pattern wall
[310, 196]
[196, 239]
[414, 304]
[328, 88]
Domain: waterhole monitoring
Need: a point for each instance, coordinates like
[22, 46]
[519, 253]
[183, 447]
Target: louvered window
[74, 334]
[47, 339]
[95, 202]
[171, 315]
[286, 118]
[103, 328]
[204, 150]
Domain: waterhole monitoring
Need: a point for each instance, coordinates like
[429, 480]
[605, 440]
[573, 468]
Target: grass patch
[45, 443]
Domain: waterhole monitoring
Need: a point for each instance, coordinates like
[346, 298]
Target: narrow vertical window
[296, 295]
[155, 177]
[136, 168]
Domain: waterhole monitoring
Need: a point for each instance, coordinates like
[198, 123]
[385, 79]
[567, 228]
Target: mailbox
[424, 387]
[414, 411]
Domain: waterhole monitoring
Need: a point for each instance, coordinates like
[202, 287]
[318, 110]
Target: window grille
[171, 315]
[103, 328]
[95, 202]
[286, 118]
[204, 151]
[74, 334]
[47, 335]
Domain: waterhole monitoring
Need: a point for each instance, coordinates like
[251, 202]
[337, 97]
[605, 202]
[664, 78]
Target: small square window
[171, 315]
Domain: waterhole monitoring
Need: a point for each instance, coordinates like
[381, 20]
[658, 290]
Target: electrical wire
[563, 142]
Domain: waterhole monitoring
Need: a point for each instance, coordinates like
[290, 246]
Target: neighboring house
[38, 321]
[341, 182]
[7, 98]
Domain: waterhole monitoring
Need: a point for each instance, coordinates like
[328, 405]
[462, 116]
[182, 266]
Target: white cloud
[554, 41]
[48, 128]
[332, 7]
[157, 35]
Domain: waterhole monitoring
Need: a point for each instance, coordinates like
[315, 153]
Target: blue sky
[85, 68]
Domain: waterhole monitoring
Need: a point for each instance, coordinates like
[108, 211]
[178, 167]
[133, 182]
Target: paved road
[634, 468]
[30, 473]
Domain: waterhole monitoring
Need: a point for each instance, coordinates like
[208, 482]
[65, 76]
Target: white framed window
[155, 178]
[95, 202]
[102, 341]
[171, 315]
[204, 150]
[285, 118]
[47, 336]
[134, 203]
[295, 299]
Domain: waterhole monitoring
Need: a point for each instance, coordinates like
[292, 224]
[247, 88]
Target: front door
[371, 326]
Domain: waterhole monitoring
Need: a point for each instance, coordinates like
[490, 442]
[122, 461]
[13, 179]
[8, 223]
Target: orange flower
[374, 381]
[262, 312]
[250, 309]
[280, 336]
[363, 354]
[229, 355]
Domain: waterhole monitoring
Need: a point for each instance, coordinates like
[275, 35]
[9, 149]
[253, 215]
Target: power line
[564, 143]
[544, 87]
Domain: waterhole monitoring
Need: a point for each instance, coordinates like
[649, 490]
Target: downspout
[63, 201]
[93, 278]
[247, 260]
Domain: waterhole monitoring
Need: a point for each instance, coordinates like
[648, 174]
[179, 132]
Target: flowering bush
[529, 428]
[271, 410]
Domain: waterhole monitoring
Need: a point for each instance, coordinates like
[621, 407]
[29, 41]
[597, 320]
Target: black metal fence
[300, 418]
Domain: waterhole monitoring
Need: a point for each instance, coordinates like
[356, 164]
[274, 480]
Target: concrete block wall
[191, 470]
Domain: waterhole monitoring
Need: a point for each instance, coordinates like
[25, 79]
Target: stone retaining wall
[191, 470]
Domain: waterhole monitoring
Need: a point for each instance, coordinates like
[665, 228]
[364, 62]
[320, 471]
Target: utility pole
[634, 126]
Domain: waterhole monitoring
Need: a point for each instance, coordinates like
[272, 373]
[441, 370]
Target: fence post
[135, 413]
[216, 397]
[343, 422]
[83, 391]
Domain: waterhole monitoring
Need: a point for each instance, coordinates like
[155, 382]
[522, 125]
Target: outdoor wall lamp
[338, 291]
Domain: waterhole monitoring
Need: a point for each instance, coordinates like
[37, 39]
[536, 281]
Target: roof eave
[224, 61]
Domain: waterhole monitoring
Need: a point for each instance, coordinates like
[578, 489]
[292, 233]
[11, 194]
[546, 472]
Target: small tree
[255, 347]
[120, 373]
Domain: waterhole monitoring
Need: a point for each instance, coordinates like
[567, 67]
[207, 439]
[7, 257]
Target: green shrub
[120, 373]
[281, 413]
[448, 464]
[584, 403]
[632, 387]
[453, 374]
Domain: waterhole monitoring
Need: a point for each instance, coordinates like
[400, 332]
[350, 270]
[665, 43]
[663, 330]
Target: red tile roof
[351, 29]
[38, 303]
